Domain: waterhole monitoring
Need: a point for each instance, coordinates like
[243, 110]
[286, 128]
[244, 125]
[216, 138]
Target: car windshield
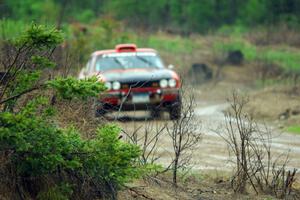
[128, 61]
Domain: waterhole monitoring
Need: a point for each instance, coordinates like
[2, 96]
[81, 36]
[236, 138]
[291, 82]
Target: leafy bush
[39, 37]
[36, 148]
[111, 159]
[41, 148]
[70, 87]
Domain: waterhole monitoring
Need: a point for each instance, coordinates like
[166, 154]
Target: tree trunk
[175, 171]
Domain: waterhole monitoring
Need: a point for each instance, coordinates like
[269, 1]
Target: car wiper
[118, 61]
[146, 61]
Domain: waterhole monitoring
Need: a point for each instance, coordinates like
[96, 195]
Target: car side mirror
[170, 66]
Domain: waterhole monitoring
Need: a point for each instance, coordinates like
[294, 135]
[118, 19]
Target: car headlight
[163, 83]
[108, 85]
[116, 85]
[172, 83]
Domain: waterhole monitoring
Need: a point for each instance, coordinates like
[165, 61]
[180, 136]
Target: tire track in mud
[212, 151]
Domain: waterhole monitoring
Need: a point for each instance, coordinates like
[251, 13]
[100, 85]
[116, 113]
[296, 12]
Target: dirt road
[212, 151]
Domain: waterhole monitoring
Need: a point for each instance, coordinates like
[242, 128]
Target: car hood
[134, 75]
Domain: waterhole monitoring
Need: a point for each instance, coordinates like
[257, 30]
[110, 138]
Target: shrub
[40, 155]
[70, 87]
[57, 192]
[39, 148]
[111, 159]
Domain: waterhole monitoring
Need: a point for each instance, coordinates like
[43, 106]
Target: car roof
[118, 49]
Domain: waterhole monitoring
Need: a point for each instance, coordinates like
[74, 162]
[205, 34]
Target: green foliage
[102, 34]
[198, 11]
[150, 169]
[22, 82]
[85, 16]
[253, 12]
[29, 10]
[249, 50]
[37, 146]
[39, 37]
[11, 28]
[294, 129]
[25, 80]
[30, 56]
[146, 12]
[288, 59]
[233, 30]
[170, 44]
[40, 147]
[70, 87]
[204, 15]
[183, 16]
[37, 43]
[41, 62]
[112, 159]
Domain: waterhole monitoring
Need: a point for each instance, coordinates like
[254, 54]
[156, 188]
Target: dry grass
[212, 185]
[271, 102]
[275, 36]
[79, 114]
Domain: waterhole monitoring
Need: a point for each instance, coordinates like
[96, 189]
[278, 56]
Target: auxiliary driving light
[163, 83]
[172, 83]
[116, 85]
[108, 85]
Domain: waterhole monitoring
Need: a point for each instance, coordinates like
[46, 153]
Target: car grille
[140, 84]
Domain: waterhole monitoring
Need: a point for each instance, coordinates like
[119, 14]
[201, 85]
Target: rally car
[136, 79]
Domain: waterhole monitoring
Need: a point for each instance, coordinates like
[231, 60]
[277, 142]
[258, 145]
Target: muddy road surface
[212, 152]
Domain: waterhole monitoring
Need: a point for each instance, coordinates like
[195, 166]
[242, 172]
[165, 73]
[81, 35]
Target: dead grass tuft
[281, 35]
[79, 114]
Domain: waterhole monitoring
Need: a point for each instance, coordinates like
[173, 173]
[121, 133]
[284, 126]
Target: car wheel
[155, 113]
[100, 112]
[175, 110]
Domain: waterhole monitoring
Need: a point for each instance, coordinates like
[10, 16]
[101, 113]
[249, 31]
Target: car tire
[155, 113]
[101, 110]
[175, 110]
[100, 113]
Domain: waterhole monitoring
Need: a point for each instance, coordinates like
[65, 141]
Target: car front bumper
[125, 99]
